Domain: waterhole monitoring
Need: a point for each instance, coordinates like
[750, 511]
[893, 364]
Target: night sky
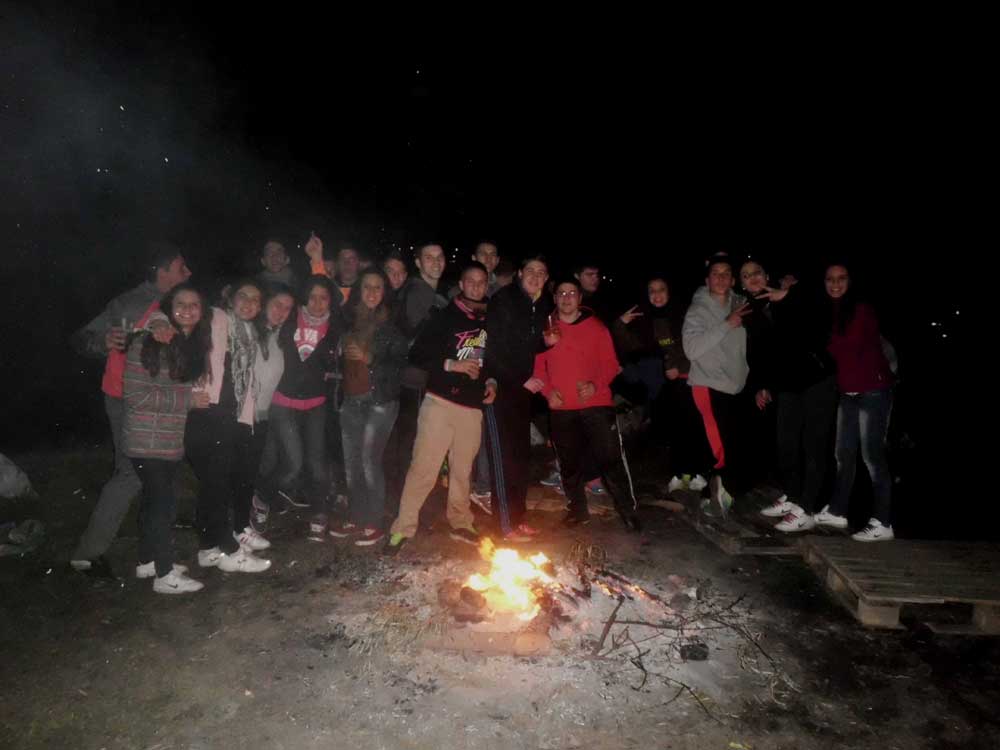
[640, 142]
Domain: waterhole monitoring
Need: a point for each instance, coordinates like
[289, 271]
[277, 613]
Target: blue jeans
[863, 420]
[302, 443]
[365, 427]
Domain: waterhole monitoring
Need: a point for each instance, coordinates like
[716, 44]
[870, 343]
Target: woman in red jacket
[865, 384]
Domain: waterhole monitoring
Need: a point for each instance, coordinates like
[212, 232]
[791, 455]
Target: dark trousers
[248, 447]
[585, 435]
[718, 414]
[805, 424]
[509, 425]
[157, 511]
[681, 423]
[208, 444]
[754, 459]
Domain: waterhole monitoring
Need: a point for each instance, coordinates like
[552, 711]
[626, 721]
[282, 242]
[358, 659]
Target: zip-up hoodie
[456, 332]
[718, 352]
[584, 353]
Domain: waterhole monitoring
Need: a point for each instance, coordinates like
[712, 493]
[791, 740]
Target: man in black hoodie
[519, 314]
[451, 348]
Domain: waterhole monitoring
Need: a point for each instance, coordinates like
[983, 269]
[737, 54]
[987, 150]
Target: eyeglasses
[568, 293]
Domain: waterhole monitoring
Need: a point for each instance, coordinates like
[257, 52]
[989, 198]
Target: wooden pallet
[875, 581]
[734, 537]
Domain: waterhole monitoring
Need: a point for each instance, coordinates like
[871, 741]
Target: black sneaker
[465, 535]
[394, 545]
[572, 520]
[99, 567]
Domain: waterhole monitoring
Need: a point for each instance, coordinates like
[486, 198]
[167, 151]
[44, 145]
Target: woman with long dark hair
[373, 353]
[158, 396]
[211, 438]
[648, 340]
[800, 376]
[279, 301]
[865, 383]
[308, 341]
[249, 363]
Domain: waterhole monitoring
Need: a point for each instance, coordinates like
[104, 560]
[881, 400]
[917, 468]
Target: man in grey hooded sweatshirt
[716, 343]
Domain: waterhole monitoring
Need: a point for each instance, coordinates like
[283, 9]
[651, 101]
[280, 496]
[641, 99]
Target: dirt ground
[298, 657]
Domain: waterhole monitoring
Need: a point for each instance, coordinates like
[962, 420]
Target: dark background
[643, 143]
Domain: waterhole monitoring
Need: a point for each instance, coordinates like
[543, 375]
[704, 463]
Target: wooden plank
[735, 539]
[946, 551]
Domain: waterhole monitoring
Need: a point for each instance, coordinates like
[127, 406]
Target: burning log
[465, 604]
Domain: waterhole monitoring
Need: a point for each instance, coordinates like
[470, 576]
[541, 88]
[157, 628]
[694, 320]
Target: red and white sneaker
[521, 534]
[797, 520]
[251, 540]
[369, 536]
[343, 530]
[780, 507]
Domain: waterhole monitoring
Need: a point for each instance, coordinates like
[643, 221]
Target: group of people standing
[358, 384]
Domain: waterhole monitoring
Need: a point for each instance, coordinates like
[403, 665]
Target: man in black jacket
[451, 348]
[518, 316]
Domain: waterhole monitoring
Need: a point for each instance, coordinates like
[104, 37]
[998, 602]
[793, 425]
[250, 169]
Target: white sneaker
[148, 570]
[175, 582]
[242, 561]
[826, 518]
[698, 483]
[780, 507]
[676, 483]
[251, 540]
[209, 558]
[720, 497]
[874, 532]
[796, 520]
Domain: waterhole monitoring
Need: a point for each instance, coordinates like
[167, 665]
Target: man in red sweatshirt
[575, 375]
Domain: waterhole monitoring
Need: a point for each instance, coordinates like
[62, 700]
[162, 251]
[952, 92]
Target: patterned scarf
[242, 355]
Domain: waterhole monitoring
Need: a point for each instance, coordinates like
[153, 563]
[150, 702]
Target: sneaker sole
[178, 590]
[368, 542]
[832, 525]
[463, 540]
[873, 539]
[245, 570]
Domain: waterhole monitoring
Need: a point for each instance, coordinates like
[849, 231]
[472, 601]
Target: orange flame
[509, 585]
